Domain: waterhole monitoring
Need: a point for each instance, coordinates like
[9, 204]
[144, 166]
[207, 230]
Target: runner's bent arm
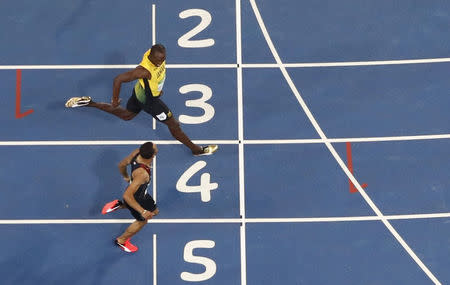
[125, 162]
[140, 176]
[137, 73]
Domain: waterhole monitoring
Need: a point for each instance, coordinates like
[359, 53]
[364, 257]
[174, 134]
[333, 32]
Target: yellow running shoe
[78, 101]
[208, 150]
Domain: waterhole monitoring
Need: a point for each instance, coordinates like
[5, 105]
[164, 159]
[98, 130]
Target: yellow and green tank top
[156, 82]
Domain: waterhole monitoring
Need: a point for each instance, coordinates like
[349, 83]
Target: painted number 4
[205, 186]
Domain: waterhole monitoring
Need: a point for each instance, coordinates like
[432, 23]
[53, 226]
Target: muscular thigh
[158, 109]
[147, 203]
[133, 104]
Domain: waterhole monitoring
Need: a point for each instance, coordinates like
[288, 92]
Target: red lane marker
[20, 115]
[350, 167]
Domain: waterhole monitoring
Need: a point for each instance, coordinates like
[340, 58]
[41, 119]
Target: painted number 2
[200, 103]
[185, 40]
[205, 186]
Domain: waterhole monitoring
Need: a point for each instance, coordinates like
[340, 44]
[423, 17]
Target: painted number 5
[185, 41]
[200, 103]
[209, 264]
[205, 186]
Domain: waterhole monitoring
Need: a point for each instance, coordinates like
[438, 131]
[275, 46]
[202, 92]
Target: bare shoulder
[140, 175]
[142, 72]
[137, 73]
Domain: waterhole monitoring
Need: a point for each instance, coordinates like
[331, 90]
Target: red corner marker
[350, 167]
[18, 90]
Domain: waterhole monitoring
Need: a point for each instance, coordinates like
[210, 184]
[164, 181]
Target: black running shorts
[154, 107]
[147, 203]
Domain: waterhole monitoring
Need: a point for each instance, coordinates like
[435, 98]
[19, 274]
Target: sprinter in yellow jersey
[150, 76]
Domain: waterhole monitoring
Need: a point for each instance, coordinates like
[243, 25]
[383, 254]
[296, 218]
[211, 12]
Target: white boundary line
[154, 260]
[154, 178]
[232, 65]
[153, 42]
[88, 66]
[205, 65]
[153, 24]
[333, 151]
[342, 140]
[348, 63]
[262, 141]
[240, 105]
[137, 142]
[112, 66]
[228, 220]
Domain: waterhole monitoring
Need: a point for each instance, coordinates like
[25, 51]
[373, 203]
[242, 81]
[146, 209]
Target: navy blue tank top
[141, 193]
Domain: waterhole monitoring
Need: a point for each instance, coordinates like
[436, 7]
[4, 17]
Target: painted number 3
[185, 40]
[200, 103]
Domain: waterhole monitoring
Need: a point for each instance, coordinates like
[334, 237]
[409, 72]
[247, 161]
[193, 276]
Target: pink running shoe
[127, 246]
[111, 206]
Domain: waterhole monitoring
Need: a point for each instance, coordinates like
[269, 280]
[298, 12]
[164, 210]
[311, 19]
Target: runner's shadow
[97, 83]
[110, 183]
[102, 79]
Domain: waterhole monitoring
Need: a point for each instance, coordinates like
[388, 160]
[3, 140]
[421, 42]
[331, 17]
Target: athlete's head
[157, 54]
[148, 150]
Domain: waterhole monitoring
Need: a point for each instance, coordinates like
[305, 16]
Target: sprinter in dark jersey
[136, 197]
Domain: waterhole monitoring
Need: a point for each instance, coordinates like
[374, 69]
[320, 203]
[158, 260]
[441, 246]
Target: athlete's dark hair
[158, 48]
[146, 150]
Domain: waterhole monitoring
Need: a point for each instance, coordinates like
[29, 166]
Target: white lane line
[348, 219]
[348, 63]
[118, 221]
[112, 66]
[228, 220]
[153, 42]
[153, 24]
[231, 65]
[243, 229]
[343, 140]
[205, 65]
[154, 260]
[154, 178]
[137, 142]
[88, 66]
[244, 141]
[333, 151]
